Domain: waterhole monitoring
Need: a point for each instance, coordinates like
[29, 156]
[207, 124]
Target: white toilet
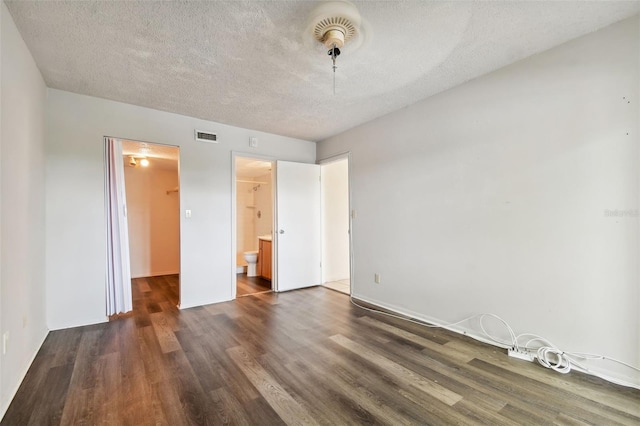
[252, 259]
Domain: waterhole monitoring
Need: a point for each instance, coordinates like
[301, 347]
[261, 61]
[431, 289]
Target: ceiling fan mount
[334, 24]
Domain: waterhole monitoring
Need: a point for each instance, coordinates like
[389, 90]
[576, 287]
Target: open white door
[298, 218]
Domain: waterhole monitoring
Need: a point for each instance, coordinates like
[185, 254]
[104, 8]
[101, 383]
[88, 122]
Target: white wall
[246, 237]
[75, 223]
[335, 220]
[248, 203]
[264, 204]
[153, 217]
[22, 210]
[491, 197]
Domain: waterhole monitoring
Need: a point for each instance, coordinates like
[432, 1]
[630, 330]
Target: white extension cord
[548, 355]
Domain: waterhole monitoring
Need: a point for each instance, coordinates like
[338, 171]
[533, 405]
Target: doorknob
[281, 231]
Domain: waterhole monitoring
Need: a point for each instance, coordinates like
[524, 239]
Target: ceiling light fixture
[334, 24]
[134, 161]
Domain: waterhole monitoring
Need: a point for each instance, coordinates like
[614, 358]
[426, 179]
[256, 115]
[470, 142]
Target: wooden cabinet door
[266, 259]
[260, 262]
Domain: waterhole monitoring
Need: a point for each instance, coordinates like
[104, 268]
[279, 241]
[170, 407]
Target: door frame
[337, 157]
[180, 222]
[274, 177]
[234, 224]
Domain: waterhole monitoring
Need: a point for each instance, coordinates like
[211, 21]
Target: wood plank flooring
[250, 285]
[155, 294]
[301, 357]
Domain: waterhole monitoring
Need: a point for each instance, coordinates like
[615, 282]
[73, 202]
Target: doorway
[152, 185]
[336, 224]
[254, 206]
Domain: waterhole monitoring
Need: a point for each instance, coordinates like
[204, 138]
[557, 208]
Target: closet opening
[150, 226]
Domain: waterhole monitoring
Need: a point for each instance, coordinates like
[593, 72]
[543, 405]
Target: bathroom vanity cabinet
[264, 259]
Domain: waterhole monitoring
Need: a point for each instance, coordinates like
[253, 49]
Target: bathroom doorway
[336, 224]
[152, 186]
[254, 225]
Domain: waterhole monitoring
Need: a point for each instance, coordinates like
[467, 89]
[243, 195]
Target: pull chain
[334, 52]
[334, 79]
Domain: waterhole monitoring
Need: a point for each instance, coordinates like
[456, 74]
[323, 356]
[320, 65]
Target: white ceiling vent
[206, 137]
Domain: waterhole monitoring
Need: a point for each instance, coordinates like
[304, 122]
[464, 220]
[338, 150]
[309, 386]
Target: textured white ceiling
[252, 64]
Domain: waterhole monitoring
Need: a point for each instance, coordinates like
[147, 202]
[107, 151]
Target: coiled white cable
[554, 359]
[550, 356]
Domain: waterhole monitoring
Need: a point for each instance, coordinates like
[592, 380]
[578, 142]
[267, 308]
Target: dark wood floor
[250, 285]
[155, 294]
[302, 357]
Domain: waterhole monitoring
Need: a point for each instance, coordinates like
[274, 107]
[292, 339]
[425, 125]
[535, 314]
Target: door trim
[337, 157]
[234, 212]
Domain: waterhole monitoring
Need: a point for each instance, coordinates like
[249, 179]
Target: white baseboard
[156, 274]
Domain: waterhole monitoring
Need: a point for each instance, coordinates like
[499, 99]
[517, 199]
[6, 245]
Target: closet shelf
[251, 181]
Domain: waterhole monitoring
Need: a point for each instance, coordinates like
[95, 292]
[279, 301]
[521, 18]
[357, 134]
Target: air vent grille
[206, 137]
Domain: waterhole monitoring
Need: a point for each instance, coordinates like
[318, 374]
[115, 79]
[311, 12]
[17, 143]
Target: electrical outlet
[376, 278]
[24, 321]
[520, 353]
[5, 342]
